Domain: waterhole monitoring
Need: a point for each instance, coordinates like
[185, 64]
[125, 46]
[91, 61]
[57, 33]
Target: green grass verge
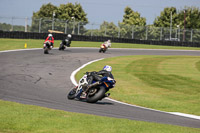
[19, 118]
[167, 83]
[9, 44]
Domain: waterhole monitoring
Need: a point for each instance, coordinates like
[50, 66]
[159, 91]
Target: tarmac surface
[31, 77]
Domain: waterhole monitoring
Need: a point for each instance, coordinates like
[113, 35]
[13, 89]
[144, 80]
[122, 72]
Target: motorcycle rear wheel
[61, 47]
[97, 96]
[46, 51]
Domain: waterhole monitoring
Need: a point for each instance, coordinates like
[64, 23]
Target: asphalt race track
[31, 77]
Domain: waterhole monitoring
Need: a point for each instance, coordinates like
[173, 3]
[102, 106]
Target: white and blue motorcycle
[94, 94]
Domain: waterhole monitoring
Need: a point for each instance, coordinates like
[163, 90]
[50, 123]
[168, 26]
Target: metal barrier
[60, 36]
[148, 32]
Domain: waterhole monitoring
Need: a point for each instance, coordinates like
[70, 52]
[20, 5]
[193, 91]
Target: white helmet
[107, 68]
[50, 35]
[69, 35]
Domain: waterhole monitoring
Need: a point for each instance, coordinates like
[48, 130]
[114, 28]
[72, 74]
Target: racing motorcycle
[94, 94]
[47, 47]
[64, 43]
[102, 48]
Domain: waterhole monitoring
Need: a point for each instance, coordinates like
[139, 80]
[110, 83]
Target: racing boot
[83, 95]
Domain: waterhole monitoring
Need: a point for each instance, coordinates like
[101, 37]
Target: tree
[75, 16]
[164, 19]
[43, 18]
[192, 17]
[131, 20]
[106, 29]
[187, 18]
[9, 27]
[64, 16]
[109, 29]
[68, 11]
[46, 11]
[167, 20]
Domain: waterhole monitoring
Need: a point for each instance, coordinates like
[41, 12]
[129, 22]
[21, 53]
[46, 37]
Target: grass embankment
[142, 90]
[9, 44]
[19, 118]
[168, 83]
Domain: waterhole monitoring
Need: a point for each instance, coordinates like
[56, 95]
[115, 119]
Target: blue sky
[97, 10]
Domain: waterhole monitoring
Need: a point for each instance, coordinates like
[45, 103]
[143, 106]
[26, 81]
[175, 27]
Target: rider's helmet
[109, 41]
[107, 68]
[50, 35]
[69, 35]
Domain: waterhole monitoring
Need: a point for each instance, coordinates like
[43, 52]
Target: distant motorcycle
[103, 48]
[47, 47]
[94, 94]
[65, 43]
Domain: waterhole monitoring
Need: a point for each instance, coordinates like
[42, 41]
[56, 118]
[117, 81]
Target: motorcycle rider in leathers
[106, 72]
[69, 38]
[107, 44]
[49, 39]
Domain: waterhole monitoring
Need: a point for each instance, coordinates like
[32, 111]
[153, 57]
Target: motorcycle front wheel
[97, 96]
[71, 94]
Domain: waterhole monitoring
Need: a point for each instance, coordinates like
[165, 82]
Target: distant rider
[67, 40]
[106, 72]
[107, 44]
[50, 39]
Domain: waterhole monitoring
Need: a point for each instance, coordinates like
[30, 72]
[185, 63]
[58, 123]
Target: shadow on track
[97, 103]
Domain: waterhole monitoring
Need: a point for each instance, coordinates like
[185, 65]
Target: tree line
[72, 17]
[170, 17]
[69, 11]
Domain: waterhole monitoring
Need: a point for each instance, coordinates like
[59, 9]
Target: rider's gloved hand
[88, 73]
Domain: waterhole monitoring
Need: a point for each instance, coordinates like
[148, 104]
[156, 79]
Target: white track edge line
[110, 48]
[72, 77]
[19, 50]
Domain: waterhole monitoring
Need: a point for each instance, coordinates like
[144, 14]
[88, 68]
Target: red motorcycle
[47, 47]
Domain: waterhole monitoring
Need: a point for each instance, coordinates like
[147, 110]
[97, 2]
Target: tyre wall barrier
[60, 36]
